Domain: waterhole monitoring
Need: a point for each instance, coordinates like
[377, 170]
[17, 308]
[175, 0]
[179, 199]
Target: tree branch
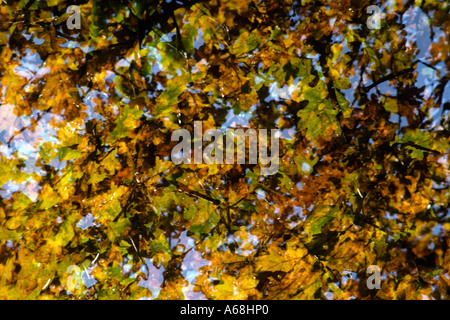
[387, 78]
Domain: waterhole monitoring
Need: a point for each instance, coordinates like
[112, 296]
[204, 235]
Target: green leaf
[174, 88]
[304, 69]
[127, 120]
[344, 104]
[188, 35]
[246, 42]
[48, 152]
[342, 83]
[417, 136]
[65, 234]
[138, 8]
[160, 244]
[319, 116]
[22, 4]
[319, 218]
[415, 139]
[201, 216]
[117, 228]
[52, 3]
[66, 153]
[125, 244]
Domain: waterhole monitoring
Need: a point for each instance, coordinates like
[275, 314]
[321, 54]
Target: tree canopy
[92, 206]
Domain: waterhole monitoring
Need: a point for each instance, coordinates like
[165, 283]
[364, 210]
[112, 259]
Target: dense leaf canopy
[92, 206]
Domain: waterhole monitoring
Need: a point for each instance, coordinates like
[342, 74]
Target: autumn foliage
[92, 206]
